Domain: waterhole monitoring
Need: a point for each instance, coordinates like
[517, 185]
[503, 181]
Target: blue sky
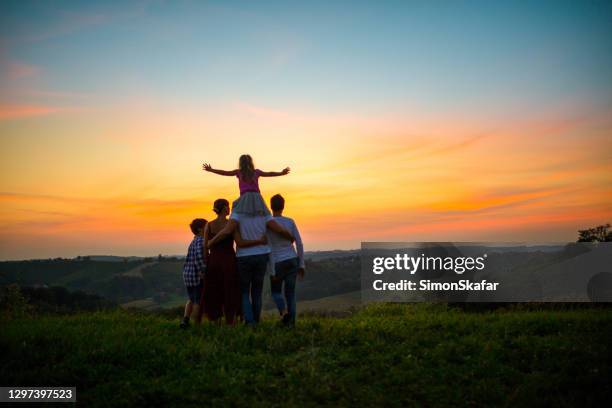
[332, 55]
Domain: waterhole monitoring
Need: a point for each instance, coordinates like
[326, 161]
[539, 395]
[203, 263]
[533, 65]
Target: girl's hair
[246, 167]
[220, 204]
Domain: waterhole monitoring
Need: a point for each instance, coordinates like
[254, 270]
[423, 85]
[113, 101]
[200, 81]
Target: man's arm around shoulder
[276, 227]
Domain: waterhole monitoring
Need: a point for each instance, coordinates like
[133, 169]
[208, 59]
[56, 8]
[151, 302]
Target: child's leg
[192, 307]
[195, 313]
[188, 309]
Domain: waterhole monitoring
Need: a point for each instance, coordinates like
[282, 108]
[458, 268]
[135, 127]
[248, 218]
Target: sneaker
[184, 324]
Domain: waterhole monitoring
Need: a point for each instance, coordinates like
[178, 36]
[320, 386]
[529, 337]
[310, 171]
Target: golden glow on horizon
[128, 179]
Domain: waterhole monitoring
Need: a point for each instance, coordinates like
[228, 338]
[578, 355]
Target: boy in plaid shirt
[193, 272]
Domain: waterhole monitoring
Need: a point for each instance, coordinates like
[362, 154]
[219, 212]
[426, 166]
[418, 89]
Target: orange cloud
[138, 182]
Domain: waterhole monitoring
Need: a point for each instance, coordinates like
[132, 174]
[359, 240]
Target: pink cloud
[18, 70]
[57, 94]
[8, 112]
[261, 111]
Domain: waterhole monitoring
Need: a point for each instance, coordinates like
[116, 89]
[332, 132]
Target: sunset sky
[401, 121]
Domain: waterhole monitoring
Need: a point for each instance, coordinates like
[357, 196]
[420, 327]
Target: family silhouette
[223, 282]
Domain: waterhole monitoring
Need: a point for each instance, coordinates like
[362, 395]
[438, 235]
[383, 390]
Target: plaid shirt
[194, 263]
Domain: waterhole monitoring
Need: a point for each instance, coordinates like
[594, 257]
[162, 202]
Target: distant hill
[156, 282]
[112, 258]
[314, 255]
[337, 253]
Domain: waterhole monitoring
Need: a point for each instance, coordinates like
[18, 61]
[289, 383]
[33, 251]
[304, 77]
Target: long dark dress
[221, 284]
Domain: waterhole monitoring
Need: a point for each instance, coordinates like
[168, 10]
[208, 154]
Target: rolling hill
[152, 283]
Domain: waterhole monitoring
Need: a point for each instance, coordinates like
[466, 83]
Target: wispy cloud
[459, 145]
[64, 22]
[56, 94]
[8, 112]
[17, 70]
[263, 112]
[67, 23]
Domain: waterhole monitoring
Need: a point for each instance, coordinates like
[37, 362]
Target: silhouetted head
[277, 203]
[221, 206]
[246, 167]
[197, 226]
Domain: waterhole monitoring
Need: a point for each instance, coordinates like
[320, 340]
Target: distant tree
[600, 233]
[13, 304]
[160, 257]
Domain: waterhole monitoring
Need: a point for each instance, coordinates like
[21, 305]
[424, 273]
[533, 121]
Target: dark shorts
[194, 293]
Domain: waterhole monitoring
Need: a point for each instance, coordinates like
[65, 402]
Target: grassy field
[391, 355]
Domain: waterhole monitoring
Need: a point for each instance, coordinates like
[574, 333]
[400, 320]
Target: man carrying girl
[251, 218]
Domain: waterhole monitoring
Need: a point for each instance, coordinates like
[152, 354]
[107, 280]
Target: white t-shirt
[252, 228]
[282, 248]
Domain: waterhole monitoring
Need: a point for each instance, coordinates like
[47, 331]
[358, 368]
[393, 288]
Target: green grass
[173, 301]
[388, 355]
[140, 304]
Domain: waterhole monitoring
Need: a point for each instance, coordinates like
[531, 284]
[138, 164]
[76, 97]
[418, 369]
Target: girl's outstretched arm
[208, 167]
[285, 171]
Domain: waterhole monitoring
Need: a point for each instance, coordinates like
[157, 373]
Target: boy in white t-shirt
[287, 262]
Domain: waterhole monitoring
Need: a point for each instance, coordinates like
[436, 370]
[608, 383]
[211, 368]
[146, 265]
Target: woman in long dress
[221, 284]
